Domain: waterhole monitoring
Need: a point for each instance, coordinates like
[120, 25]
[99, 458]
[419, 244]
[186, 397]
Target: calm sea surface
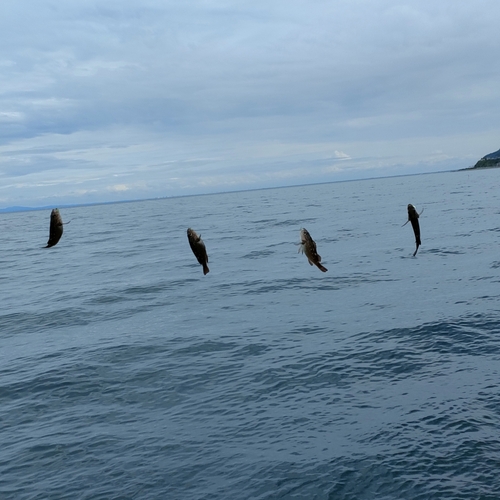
[127, 374]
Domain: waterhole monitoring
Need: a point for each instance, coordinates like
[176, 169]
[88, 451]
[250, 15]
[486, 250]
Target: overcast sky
[128, 99]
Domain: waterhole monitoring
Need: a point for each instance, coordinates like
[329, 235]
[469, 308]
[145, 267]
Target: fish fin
[405, 223]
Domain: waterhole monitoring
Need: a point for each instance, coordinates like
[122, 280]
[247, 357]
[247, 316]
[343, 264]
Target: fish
[198, 248]
[413, 216]
[56, 228]
[308, 247]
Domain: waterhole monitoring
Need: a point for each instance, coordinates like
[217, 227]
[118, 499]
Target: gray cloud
[195, 96]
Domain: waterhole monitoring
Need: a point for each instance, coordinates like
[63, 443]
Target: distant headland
[489, 161]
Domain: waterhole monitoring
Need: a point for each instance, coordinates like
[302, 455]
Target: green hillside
[489, 161]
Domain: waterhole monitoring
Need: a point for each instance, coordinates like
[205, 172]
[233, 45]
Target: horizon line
[17, 208]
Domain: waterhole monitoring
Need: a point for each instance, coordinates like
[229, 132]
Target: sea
[125, 373]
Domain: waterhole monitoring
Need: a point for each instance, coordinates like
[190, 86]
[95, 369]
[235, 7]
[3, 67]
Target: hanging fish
[413, 216]
[56, 228]
[198, 248]
[308, 247]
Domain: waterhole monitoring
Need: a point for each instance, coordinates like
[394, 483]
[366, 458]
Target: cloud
[119, 187]
[187, 96]
[342, 155]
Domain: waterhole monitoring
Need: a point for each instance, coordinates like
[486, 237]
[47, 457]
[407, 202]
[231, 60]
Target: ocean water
[127, 374]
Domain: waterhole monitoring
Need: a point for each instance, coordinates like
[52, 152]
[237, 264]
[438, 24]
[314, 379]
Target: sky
[119, 100]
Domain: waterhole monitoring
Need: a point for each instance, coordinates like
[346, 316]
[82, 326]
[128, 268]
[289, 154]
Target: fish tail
[205, 269]
[322, 268]
[416, 250]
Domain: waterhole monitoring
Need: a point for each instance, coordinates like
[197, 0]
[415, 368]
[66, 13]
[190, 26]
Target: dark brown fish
[413, 216]
[308, 247]
[198, 248]
[56, 228]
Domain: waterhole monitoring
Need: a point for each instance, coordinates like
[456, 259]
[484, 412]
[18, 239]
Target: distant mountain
[19, 209]
[494, 155]
[72, 205]
[488, 161]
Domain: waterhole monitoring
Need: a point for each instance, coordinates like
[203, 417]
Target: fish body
[198, 248]
[308, 247]
[56, 228]
[413, 216]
